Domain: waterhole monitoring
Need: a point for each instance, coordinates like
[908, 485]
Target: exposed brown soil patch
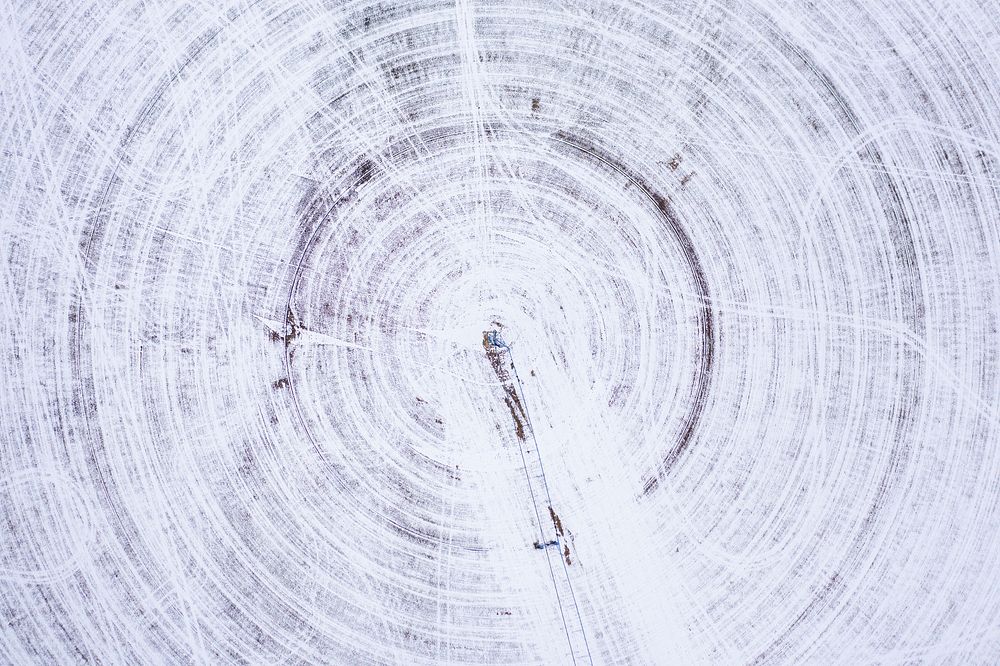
[511, 399]
[556, 522]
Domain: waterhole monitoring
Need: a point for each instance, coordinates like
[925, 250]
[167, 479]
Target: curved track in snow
[746, 256]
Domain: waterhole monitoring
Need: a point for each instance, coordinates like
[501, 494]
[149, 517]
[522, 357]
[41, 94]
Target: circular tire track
[746, 257]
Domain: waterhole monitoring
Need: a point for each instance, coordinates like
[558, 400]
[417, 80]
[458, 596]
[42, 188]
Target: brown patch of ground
[556, 522]
[518, 424]
[291, 326]
[513, 401]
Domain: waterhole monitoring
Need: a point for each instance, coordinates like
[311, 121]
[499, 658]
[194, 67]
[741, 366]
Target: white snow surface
[744, 256]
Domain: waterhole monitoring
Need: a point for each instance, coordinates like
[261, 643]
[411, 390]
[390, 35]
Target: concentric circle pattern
[476, 332]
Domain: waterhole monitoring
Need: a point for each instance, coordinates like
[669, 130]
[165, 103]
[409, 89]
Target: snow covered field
[476, 332]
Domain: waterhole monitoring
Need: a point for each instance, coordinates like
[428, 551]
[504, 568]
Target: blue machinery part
[495, 339]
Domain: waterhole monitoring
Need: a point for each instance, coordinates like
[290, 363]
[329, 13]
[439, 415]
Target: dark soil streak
[518, 424]
[820, 598]
[512, 400]
[703, 376]
[291, 327]
[652, 483]
[556, 522]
